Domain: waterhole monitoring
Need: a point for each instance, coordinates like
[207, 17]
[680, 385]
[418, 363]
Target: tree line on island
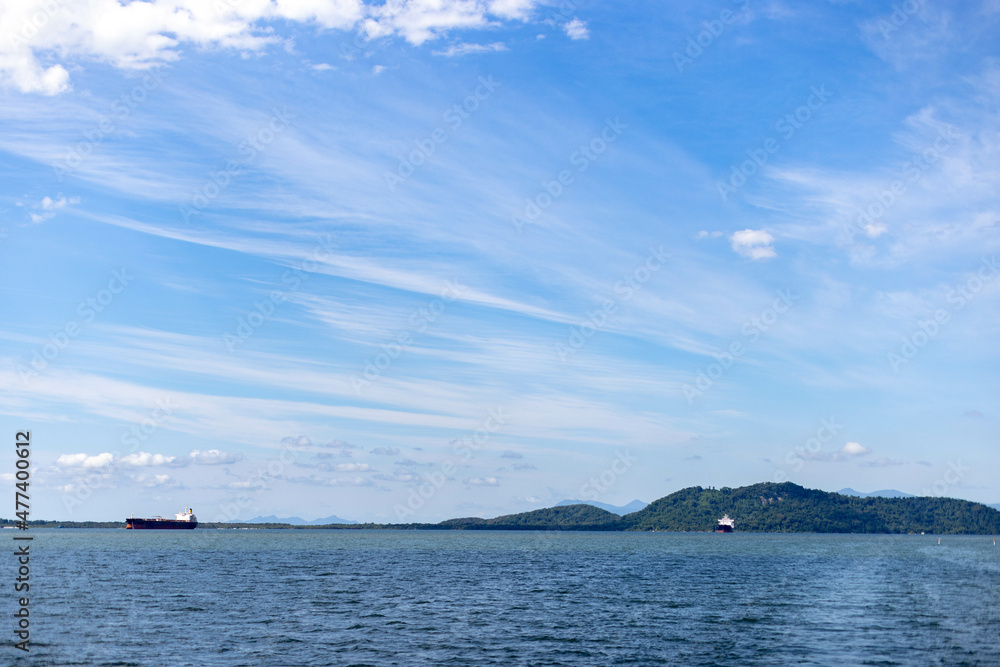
[765, 507]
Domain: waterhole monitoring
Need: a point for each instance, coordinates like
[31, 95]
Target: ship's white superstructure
[186, 515]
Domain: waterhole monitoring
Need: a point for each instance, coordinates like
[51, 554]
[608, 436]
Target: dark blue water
[213, 597]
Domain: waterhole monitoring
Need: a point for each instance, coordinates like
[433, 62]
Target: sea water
[353, 597]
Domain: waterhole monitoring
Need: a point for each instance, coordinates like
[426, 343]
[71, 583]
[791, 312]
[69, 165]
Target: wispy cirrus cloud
[465, 49]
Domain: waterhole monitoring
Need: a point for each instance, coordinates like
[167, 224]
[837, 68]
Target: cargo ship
[725, 525]
[185, 520]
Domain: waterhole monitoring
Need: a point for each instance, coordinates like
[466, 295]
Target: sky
[414, 260]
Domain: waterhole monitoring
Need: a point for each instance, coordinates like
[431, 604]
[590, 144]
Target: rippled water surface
[242, 597]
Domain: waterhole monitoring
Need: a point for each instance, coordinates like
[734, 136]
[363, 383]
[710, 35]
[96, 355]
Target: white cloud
[316, 480]
[753, 243]
[378, 69]
[386, 451]
[875, 229]
[322, 67]
[352, 467]
[398, 476]
[410, 463]
[85, 461]
[511, 9]
[465, 48]
[511, 454]
[855, 449]
[349, 481]
[577, 29]
[146, 459]
[213, 457]
[340, 444]
[418, 21]
[708, 235]
[483, 481]
[848, 451]
[296, 442]
[136, 35]
[155, 480]
[49, 206]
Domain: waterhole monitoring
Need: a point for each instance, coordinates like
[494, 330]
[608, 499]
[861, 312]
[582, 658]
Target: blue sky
[415, 260]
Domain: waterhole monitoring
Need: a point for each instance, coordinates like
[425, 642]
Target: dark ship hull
[723, 529]
[159, 524]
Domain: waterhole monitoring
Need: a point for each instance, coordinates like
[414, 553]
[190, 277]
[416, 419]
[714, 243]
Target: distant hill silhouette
[297, 521]
[620, 510]
[884, 493]
[567, 517]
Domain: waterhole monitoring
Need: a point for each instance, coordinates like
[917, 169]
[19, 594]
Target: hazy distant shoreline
[759, 508]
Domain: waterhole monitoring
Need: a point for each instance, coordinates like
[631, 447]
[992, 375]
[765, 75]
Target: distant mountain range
[297, 521]
[765, 508]
[884, 493]
[620, 510]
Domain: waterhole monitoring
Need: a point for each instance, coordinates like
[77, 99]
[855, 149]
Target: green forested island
[766, 508]
[790, 508]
